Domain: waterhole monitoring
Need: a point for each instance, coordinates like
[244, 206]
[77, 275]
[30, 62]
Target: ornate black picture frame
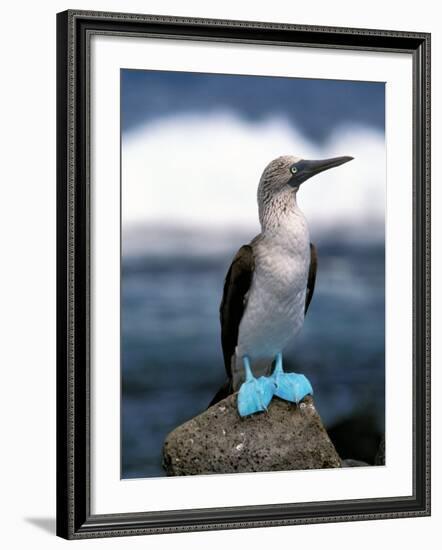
[74, 518]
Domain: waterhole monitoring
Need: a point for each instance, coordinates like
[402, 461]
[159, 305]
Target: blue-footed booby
[268, 289]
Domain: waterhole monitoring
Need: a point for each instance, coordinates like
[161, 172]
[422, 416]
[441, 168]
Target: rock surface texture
[351, 463]
[286, 437]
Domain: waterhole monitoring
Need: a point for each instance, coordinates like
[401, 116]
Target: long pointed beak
[309, 168]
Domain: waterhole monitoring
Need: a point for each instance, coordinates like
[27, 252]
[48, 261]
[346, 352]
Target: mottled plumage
[267, 281]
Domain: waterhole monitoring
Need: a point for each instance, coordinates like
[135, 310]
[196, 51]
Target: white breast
[276, 300]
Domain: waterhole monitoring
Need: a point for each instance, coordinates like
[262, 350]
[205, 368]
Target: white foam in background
[203, 171]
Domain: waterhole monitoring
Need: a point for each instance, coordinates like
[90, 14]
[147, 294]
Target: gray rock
[380, 455]
[286, 437]
[351, 463]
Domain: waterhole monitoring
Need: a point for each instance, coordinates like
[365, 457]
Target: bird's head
[290, 171]
[283, 176]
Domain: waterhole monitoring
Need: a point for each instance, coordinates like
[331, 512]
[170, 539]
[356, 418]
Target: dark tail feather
[224, 391]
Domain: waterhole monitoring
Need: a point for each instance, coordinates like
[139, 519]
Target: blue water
[172, 360]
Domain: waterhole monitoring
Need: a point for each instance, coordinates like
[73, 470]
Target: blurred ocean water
[193, 148]
[171, 353]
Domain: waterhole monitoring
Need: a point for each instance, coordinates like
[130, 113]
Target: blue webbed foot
[255, 394]
[290, 386]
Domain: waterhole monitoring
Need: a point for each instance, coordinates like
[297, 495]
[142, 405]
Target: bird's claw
[255, 395]
[291, 387]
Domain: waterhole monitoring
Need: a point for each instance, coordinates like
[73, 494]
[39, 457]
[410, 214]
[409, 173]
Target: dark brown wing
[236, 286]
[311, 276]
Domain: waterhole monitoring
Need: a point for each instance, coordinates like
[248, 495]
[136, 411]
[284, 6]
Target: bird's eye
[293, 169]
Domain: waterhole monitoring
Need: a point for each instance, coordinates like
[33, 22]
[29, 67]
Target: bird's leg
[289, 386]
[254, 394]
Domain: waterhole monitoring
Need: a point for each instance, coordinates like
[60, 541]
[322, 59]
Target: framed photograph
[243, 274]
